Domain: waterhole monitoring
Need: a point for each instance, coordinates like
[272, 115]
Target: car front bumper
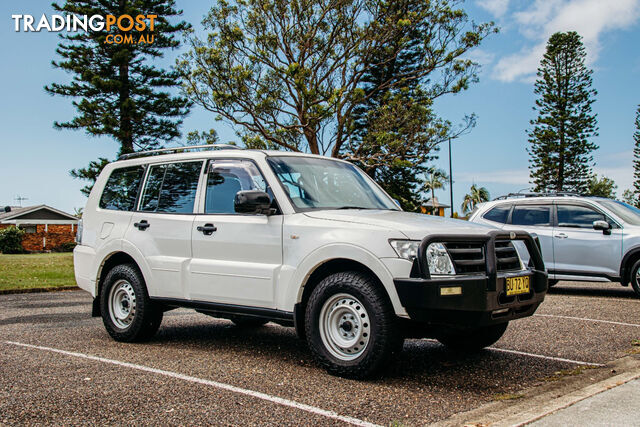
[477, 299]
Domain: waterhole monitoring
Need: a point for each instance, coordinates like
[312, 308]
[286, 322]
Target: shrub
[65, 247]
[11, 240]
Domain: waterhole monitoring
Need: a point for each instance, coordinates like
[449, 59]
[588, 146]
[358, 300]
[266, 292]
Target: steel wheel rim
[122, 304]
[345, 328]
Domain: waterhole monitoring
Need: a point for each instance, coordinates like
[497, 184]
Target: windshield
[315, 184]
[625, 212]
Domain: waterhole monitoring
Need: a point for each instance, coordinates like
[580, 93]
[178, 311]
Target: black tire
[145, 320]
[552, 282]
[472, 340]
[634, 278]
[378, 325]
[248, 321]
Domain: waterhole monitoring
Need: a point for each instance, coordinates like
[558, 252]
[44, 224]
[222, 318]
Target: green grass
[36, 271]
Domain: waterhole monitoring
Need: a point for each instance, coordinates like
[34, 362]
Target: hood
[414, 225]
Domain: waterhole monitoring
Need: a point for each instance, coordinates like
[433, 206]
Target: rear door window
[498, 214]
[171, 188]
[121, 190]
[531, 215]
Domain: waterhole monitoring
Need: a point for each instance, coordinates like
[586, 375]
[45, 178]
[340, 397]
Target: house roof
[38, 212]
[434, 203]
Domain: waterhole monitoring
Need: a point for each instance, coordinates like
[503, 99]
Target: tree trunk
[126, 135]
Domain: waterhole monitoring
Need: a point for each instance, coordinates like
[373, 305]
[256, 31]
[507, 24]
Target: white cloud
[496, 7]
[505, 176]
[590, 18]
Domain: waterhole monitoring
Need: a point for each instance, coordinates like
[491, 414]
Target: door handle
[142, 225]
[561, 236]
[207, 229]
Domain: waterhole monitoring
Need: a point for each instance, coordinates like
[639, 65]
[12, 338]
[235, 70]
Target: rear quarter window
[121, 190]
[498, 214]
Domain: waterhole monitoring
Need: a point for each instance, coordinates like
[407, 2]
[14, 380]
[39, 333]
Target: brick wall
[55, 236]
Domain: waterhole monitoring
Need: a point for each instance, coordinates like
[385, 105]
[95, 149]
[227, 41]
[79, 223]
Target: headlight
[407, 249]
[438, 259]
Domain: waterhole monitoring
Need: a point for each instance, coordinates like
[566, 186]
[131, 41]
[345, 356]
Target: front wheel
[635, 277]
[127, 312]
[471, 340]
[351, 327]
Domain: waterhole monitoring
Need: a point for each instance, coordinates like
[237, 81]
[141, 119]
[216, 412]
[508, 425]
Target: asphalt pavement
[59, 366]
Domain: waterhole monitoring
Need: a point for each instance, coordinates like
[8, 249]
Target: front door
[236, 257]
[581, 249]
[161, 228]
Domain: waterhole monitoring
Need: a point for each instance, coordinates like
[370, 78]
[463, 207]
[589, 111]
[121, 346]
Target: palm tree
[435, 180]
[477, 196]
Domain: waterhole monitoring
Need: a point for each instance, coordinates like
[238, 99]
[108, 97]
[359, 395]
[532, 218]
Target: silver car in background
[582, 238]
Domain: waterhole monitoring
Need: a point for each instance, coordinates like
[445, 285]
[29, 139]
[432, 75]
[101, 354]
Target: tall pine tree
[560, 147]
[117, 90]
[636, 159]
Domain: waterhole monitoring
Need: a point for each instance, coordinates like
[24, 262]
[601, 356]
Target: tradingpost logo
[122, 29]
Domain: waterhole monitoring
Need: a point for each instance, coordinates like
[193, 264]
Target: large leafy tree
[394, 131]
[560, 138]
[290, 74]
[116, 89]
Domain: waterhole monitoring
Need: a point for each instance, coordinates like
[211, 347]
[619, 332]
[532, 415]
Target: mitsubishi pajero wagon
[301, 240]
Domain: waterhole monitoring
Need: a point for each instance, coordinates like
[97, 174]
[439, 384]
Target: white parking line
[586, 319]
[222, 386]
[541, 356]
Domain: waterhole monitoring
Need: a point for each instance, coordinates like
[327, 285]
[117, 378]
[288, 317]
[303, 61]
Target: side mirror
[603, 226]
[252, 202]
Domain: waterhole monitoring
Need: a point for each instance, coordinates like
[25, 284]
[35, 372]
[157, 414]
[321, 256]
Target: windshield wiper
[351, 207]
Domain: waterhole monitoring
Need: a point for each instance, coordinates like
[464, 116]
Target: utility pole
[450, 178]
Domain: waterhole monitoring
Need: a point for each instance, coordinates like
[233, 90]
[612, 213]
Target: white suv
[306, 241]
[582, 238]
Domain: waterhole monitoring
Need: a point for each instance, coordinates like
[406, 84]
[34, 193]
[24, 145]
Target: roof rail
[534, 194]
[178, 150]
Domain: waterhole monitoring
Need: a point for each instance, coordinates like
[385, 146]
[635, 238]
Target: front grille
[506, 256]
[467, 258]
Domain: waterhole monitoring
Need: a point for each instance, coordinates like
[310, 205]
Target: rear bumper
[481, 298]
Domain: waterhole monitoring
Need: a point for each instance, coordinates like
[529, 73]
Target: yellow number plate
[517, 285]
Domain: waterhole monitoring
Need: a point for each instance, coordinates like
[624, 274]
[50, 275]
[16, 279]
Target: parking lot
[58, 365]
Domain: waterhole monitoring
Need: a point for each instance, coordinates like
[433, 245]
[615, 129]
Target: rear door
[538, 219]
[161, 227]
[580, 249]
[236, 257]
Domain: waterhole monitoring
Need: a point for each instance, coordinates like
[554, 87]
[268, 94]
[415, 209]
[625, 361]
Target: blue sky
[36, 158]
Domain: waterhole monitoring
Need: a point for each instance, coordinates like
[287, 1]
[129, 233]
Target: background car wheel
[351, 327]
[248, 321]
[470, 340]
[635, 278]
[127, 312]
[553, 282]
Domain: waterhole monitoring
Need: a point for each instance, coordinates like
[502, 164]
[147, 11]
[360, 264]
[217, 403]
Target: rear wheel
[127, 312]
[553, 282]
[635, 277]
[351, 327]
[470, 340]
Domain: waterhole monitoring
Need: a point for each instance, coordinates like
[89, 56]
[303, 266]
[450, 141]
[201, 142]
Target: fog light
[451, 290]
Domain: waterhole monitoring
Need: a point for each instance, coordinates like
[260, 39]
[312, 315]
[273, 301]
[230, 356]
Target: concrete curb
[540, 401]
[37, 290]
